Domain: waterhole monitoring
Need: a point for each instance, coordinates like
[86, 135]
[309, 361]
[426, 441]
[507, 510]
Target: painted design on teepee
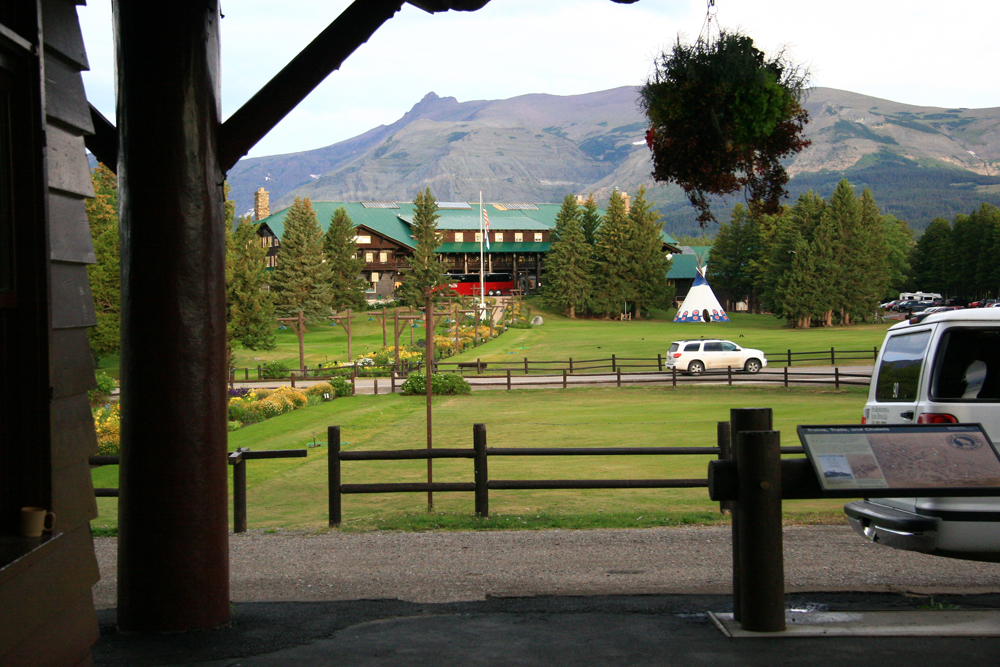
[700, 304]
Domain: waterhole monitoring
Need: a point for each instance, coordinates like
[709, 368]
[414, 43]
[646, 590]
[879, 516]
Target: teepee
[700, 304]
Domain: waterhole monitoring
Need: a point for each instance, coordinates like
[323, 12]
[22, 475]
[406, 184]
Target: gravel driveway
[466, 566]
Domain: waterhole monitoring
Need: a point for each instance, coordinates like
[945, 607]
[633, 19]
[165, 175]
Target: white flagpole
[482, 282]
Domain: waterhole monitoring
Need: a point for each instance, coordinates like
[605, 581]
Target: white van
[936, 369]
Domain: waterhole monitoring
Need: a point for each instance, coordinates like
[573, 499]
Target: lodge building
[519, 238]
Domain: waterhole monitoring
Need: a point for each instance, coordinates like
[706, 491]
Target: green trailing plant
[721, 116]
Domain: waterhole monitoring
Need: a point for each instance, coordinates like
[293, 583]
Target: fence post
[743, 419]
[564, 378]
[614, 365]
[729, 375]
[246, 374]
[673, 376]
[786, 377]
[392, 382]
[526, 365]
[354, 380]
[240, 496]
[758, 466]
[789, 357]
[659, 362]
[260, 375]
[376, 386]
[833, 359]
[479, 366]
[618, 373]
[874, 352]
[571, 364]
[508, 379]
[725, 452]
[291, 376]
[836, 378]
[481, 471]
[333, 473]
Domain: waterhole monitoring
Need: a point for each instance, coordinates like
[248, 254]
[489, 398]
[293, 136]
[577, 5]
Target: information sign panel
[902, 457]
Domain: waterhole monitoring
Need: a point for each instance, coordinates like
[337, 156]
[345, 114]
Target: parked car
[696, 356]
[889, 305]
[936, 369]
[960, 302]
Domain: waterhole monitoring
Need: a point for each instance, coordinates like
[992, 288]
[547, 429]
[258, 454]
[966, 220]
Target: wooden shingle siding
[73, 498]
[62, 33]
[47, 590]
[70, 363]
[74, 244]
[73, 437]
[68, 168]
[66, 100]
[80, 624]
[72, 304]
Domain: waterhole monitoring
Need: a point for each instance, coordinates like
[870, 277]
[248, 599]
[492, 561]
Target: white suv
[696, 356]
[936, 369]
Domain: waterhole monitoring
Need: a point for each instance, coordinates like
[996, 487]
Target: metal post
[743, 419]
[333, 473]
[758, 460]
[481, 471]
[429, 353]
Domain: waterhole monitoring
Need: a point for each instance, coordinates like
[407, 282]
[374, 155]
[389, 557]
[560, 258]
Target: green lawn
[561, 338]
[292, 493]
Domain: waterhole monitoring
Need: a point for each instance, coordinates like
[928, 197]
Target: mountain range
[920, 162]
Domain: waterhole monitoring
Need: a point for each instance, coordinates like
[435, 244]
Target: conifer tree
[249, 309]
[301, 279]
[649, 261]
[568, 263]
[590, 220]
[736, 255]
[347, 288]
[425, 269]
[105, 274]
[614, 280]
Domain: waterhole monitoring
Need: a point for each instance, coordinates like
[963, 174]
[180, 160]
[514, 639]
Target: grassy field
[292, 493]
[561, 338]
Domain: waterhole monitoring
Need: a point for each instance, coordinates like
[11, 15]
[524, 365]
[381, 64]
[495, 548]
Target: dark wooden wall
[46, 608]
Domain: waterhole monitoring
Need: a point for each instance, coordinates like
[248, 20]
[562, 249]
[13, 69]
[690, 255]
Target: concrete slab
[918, 623]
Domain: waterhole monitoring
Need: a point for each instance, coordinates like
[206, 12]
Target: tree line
[317, 272]
[602, 266]
[960, 258]
[816, 262]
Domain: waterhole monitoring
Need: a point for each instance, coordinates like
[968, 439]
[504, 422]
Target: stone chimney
[628, 202]
[261, 204]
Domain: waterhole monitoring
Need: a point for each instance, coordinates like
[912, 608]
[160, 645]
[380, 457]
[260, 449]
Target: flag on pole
[486, 220]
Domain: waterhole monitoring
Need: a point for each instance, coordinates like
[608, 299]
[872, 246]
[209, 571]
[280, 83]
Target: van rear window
[967, 366]
[899, 371]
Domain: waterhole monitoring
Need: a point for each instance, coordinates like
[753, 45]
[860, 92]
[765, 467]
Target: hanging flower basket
[721, 117]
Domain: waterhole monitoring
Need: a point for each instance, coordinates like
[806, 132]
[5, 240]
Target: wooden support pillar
[173, 550]
[742, 419]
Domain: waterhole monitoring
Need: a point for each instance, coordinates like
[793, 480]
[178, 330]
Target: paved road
[498, 381]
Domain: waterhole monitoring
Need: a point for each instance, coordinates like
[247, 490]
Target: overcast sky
[922, 52]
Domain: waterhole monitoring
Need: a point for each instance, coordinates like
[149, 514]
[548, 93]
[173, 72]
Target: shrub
[105, 386]
[319, 389]
[273, 370]
[441, 384]
[107, 424]
[294, 396]
[340, 386]
[235, 425]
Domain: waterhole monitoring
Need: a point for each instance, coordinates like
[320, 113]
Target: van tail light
[932, 418]
[677, 355]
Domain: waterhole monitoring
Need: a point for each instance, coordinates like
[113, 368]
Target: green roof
[506, 246]
[383, 221]
[497, 224]
[686, 266]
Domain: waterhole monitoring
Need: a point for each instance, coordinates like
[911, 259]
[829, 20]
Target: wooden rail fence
[482, 484]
